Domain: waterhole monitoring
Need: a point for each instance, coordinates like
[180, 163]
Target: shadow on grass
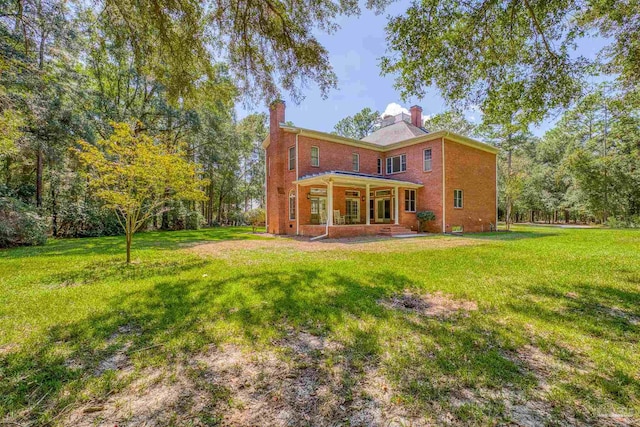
[510, 235]
[115, 245]
[427, 360]
[605, 313]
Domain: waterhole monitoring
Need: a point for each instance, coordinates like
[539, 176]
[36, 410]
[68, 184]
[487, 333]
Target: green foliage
[20, 225]
[570, 297]
[359, 125]
[135, 176]
[632, 222]
[256, 218]
[452, 121]
[515, 60]
[425, 216]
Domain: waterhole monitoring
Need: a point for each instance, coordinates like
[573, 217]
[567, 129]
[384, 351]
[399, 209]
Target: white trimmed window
[457, 199]
[355, 160]
[292, 205]
[379, 166]
[315, 156]
[410, 200]
[427, 160]
[396, 164]
[292, 158]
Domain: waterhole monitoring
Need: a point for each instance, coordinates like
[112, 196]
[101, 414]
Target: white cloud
[394, 109]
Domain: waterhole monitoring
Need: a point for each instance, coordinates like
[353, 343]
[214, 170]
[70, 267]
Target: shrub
[193, 220]
[631, 222]
[424, 217]
[255, 217]
[20, 225]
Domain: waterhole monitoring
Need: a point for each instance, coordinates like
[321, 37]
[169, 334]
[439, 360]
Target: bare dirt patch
[233, 387]
[375, 244]
[436, 305]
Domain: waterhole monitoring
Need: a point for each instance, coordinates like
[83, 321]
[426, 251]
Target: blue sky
[354, 51]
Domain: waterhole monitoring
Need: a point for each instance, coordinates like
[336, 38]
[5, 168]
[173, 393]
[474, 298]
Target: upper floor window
[457, 199]
[292, 205]
[315, 156]
[396, 164]
[292, 158]
[355, 160]
[379, 166]
[410, 200]
[427, 160]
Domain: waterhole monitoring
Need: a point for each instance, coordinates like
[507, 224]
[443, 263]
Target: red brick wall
[474, 172]
[467, 168]
[335, 156]
[428, 197]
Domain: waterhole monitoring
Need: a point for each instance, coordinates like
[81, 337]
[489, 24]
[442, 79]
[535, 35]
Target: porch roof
[354, 179]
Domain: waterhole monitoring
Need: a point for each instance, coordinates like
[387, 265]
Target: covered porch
[344, 204]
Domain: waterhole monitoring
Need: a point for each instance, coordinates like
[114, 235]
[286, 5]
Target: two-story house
[320, 184]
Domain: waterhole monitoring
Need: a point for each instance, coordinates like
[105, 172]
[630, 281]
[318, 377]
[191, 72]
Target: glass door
[318, 210]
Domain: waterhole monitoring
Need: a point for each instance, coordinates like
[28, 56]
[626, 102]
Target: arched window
[292, 205]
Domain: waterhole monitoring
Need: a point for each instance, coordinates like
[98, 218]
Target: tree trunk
[39, 170]
[128, 248]
[54, 210]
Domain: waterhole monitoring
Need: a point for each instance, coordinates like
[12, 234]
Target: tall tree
[453, 121]
[359, 125]
[515, 59]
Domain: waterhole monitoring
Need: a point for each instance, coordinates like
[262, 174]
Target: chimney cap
[276, 102]
[416, 107]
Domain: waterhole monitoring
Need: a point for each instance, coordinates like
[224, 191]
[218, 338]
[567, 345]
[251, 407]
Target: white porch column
[395, 204]
[366, 208]
[330, 203]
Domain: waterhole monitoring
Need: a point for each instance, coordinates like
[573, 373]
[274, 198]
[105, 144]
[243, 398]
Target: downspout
[444, 214]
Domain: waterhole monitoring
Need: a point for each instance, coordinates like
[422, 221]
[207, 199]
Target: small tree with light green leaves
[135, 176]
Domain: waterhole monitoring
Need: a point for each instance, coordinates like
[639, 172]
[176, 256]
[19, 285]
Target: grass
[556, 325]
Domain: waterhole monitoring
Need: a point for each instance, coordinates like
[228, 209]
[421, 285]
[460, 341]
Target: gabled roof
[397, 132]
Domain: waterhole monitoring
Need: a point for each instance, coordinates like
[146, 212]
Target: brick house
[321, 184]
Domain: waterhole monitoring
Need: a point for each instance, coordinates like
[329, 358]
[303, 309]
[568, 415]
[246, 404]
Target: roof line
[355, 179]
[383, 148]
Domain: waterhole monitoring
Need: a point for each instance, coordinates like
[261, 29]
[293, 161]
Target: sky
[354, 51]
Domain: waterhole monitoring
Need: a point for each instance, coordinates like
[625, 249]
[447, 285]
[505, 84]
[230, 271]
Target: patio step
[394, 230]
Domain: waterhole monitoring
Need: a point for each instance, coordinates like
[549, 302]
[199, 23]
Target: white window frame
[355, 162]
[403, 164]
[317, 157]
[410, 200]
[292, 205]
[455, 198]
[352, 201]
[352, 193]
[292, 157]
[424, 160]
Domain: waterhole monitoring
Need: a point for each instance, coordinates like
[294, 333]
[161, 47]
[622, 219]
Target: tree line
[585, 168]
[175, 71]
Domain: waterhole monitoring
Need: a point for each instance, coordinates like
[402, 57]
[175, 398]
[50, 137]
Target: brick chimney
[416, 115]
[276, 115]
[276, 163]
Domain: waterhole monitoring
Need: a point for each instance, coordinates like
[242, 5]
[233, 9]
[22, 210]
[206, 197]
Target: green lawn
[554, 338]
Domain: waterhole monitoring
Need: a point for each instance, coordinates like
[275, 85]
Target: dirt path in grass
[373, 244]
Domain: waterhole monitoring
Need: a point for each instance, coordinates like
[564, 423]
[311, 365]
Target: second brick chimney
[416, 116]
